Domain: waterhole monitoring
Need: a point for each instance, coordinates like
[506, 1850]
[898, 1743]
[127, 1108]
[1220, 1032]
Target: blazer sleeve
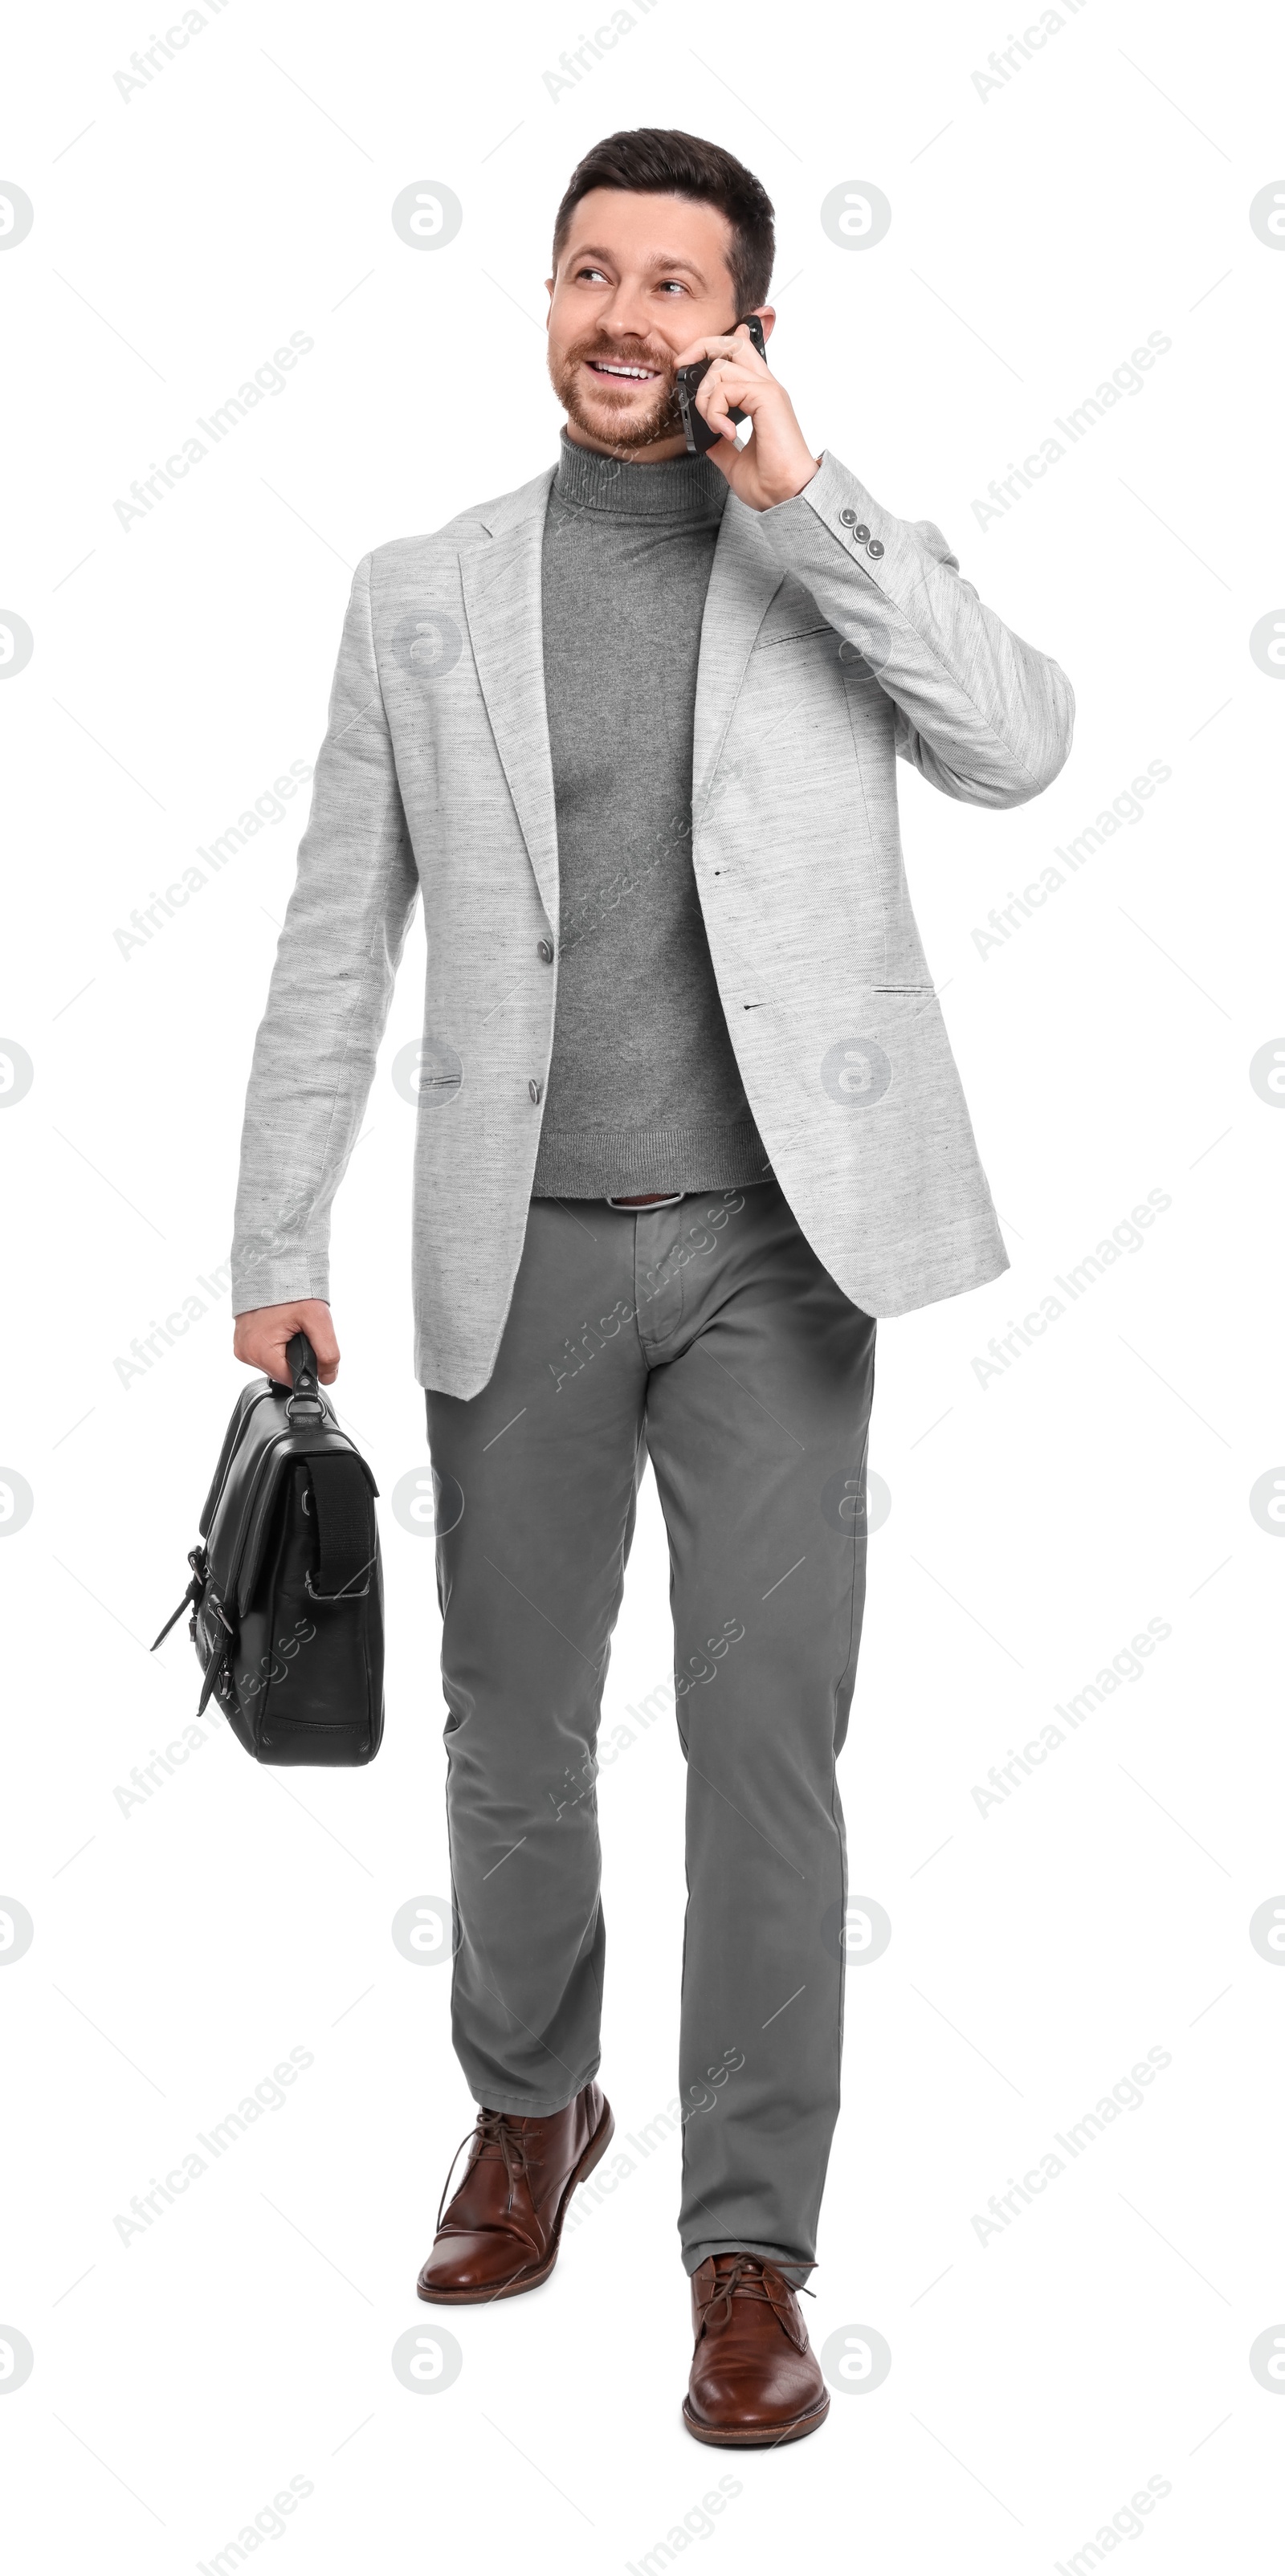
[332, 983]
[981, 714]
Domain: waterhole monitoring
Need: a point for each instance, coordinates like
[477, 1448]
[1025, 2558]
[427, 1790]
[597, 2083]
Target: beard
[612, 413]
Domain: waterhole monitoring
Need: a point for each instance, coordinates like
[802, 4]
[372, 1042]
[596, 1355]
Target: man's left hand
[776, 462]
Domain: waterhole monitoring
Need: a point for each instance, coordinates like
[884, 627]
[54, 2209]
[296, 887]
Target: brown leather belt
[647, 1201]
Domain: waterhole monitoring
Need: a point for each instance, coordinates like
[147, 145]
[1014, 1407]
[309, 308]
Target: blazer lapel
[501, 584]
[502, 602]
[745, 578]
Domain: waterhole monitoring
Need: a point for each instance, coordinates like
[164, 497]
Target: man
[690, 1123]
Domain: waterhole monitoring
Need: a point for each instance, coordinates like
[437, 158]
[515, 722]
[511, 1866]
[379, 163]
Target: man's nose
[625, 319]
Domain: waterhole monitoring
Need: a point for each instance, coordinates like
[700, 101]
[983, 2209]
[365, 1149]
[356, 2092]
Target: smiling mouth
[621, 373]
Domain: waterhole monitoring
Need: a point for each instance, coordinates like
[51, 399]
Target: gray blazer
[835, 638]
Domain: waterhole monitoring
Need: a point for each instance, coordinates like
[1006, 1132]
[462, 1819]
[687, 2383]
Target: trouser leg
[758, 1409]
[536, 1480]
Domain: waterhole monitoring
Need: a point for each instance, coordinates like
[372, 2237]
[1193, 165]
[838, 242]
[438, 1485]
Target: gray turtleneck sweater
[644, 1092]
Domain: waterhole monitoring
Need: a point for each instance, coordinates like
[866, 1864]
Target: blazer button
[536, 1089]
[849, 518]
[544, 949]
[875, 546]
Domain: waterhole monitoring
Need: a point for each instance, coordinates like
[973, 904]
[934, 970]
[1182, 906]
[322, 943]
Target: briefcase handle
[305, 1391]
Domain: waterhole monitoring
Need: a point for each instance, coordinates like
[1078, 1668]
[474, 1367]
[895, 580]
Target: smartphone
[700, 437]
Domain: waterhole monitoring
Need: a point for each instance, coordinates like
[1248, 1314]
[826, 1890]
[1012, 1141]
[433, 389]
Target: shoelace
[744, 2281]
[493, 2129]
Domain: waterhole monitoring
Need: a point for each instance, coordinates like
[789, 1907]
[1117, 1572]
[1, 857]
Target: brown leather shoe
[501, 2232]
[755, 2378]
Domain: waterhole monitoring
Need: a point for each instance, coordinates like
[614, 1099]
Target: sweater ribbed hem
[602, 1162]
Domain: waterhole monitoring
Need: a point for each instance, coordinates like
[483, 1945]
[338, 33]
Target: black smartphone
[700, 437]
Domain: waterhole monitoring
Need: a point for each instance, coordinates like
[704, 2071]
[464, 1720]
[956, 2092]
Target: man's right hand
[262, 1334]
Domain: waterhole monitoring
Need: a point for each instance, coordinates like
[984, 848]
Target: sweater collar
[682, 487]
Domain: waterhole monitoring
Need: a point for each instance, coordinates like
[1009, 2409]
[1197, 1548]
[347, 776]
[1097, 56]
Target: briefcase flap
[256, 1477]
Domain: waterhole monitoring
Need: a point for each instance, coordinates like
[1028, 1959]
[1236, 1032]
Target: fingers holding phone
[725, 380]
[703, 423]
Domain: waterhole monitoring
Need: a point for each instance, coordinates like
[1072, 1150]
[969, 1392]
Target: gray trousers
[708, 1335]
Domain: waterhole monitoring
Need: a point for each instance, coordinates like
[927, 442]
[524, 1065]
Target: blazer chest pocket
[802, 633]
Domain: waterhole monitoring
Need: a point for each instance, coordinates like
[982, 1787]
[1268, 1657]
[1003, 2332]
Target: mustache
[661, 361]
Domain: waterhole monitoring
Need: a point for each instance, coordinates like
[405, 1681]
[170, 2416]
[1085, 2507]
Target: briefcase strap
[305, 1390]
[345, 1529]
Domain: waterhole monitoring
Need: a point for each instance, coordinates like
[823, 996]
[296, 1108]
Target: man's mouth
[616, 368]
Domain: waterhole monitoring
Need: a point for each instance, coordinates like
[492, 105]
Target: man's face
[639, 279]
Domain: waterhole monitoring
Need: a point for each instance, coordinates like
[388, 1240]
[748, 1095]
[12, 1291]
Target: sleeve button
[875, 546]
[849, 518]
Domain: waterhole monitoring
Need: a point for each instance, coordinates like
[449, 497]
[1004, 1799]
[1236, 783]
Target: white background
[183, 1946]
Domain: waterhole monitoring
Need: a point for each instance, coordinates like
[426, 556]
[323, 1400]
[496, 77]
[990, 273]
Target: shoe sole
[593, 2154]
[754, 2440]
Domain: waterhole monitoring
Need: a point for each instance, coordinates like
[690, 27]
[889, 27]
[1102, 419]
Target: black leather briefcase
[287, 1589]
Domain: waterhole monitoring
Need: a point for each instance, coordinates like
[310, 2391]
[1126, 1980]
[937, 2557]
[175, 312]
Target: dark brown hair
[656, 161]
